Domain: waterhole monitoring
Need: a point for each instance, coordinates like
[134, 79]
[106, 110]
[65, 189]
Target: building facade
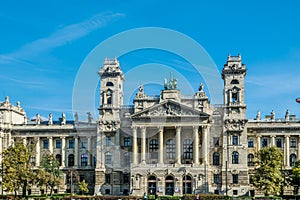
[169, 144]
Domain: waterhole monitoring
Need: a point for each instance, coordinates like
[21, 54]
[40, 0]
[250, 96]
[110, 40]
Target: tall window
[293, 159]
[108, 140]
[250, 143]
[293, 143]
[264, 142]
[187, 149]
[71, 160]
[235, 140]
[127, 142]
[57, 144]
[170, 146]
[108, 158]
[84, 160]
[279, 142]
[216, 178]
[216, 158]
[107, 178]
[58, 158]
[250, 160]
[216, 141]
[84, 144]
[126, 159]
[71, 144]
[235, 178]
[235, 157]
[153, 148]
[45, 144]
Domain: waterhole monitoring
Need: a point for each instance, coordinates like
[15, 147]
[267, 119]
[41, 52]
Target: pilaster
[196, 145]
[134, 145]
[178, 145]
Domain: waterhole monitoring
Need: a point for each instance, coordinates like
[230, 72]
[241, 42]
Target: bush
[205, 196]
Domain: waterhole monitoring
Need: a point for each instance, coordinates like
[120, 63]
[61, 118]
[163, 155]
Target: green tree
[268, 175]
[83, 187]
[296, 175]
[18, 168]
[49, 173]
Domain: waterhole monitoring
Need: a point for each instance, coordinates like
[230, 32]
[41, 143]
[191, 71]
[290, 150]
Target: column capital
[160, 128]
[134, 127]
[287, 136]
[178, 128]
[273, 136]
[63, 137]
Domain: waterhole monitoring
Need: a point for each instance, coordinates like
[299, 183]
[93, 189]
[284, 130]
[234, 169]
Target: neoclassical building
[169, 144]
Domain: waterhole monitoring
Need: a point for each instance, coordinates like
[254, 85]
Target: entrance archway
[151, 185]
[187, 184]
[169, 185]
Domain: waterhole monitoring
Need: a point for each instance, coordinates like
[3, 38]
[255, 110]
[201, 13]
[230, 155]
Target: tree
[83, 187]
[49, 173]
[268, 175]
[18, 168]
[296, 175]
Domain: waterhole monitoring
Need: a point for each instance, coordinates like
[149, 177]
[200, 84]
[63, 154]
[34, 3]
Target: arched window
[109, 84]
[250, 160]
[84, 160]
[109, 96]
[58, 158]
[170, 146]
[71, 160]
[234, 81]
[187, 149]
[187, 185]
[216, 158]
[235, 157]
[151, 185]
[169, 185]
[108, 158]
[153, 148]
[293, 159]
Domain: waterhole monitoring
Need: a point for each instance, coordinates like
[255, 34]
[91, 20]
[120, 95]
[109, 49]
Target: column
[134, 145]
[196, 145]
[298, 154]
[143, 149]
[258, 143]
[273, 144]
[1, 146]
[63, 151]
[24, 141]
[90, 155]
[50, 144]
[161, 146]
[178, 145]
[76, 152]
[204, 144]
[287, 150]
[37, 152]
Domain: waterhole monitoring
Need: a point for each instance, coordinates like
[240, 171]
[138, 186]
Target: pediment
[169, 108]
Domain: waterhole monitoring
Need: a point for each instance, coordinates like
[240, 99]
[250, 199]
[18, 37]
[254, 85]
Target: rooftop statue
[172, 85]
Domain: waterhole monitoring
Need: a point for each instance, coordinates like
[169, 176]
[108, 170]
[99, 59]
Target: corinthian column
[37, 152]
[204, 144]
[196, 145]
[178, 145]
[51, 144]
[134, 145]
[63, 151]
[161, 146]
[76, 152]
[287, 150]
[143, 149]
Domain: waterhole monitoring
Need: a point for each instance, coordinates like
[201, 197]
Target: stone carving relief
[109, 125]
[235, 124]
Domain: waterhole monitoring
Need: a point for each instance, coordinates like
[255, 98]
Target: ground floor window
[151, 185]
[169, 185]
[187, 185]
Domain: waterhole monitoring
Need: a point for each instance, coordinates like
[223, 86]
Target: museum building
[169, 144]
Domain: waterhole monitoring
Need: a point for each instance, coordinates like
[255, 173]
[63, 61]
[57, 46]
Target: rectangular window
[125, 178]
[235, 140]
[235, 178]
[107, 178]
[216, 141]
[293, 143]
[279, 142]
[250, 143]
[108, 140]
[127, 142]
[264, 142]
[216, 178]
[57, 144]
[83, 144]
[235, 192]
[45, 144]
[71, 144]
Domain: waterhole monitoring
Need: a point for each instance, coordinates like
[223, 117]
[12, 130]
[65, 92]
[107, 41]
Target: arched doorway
[151, 185]
[169, 185]
[187, 184]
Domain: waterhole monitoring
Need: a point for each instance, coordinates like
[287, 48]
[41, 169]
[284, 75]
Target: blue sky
[43, 44]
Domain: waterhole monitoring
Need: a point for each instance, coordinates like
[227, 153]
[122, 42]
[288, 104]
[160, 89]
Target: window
[250, 160]
[108, 140]
[235, 192]
[126, 159]
[293, 159]
[264, 142]
[170, 146]
[107, 178]
[108, 158]
[32, 160]
[293, 143]
[235, 178]
[45, 144]
[187, 149]
[58, 158]
[216, 141]
[84, 160]
[153, 148]
[235, 157]
[127, 142]
[126, 178]
[71, 144]
[95, 160]
[216, 178]
[109, 84]
[84, 144]
[250, 143]
[109, 97]
[216, 158]
[235, 140]
[71, 160]
[279, 142]
[234, 81]
[57, 144]
[234, 97]
[216, 192]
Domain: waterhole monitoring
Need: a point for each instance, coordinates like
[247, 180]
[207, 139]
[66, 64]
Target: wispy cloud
[59, 38]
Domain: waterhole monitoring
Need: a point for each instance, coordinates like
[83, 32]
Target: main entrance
[169, 185]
